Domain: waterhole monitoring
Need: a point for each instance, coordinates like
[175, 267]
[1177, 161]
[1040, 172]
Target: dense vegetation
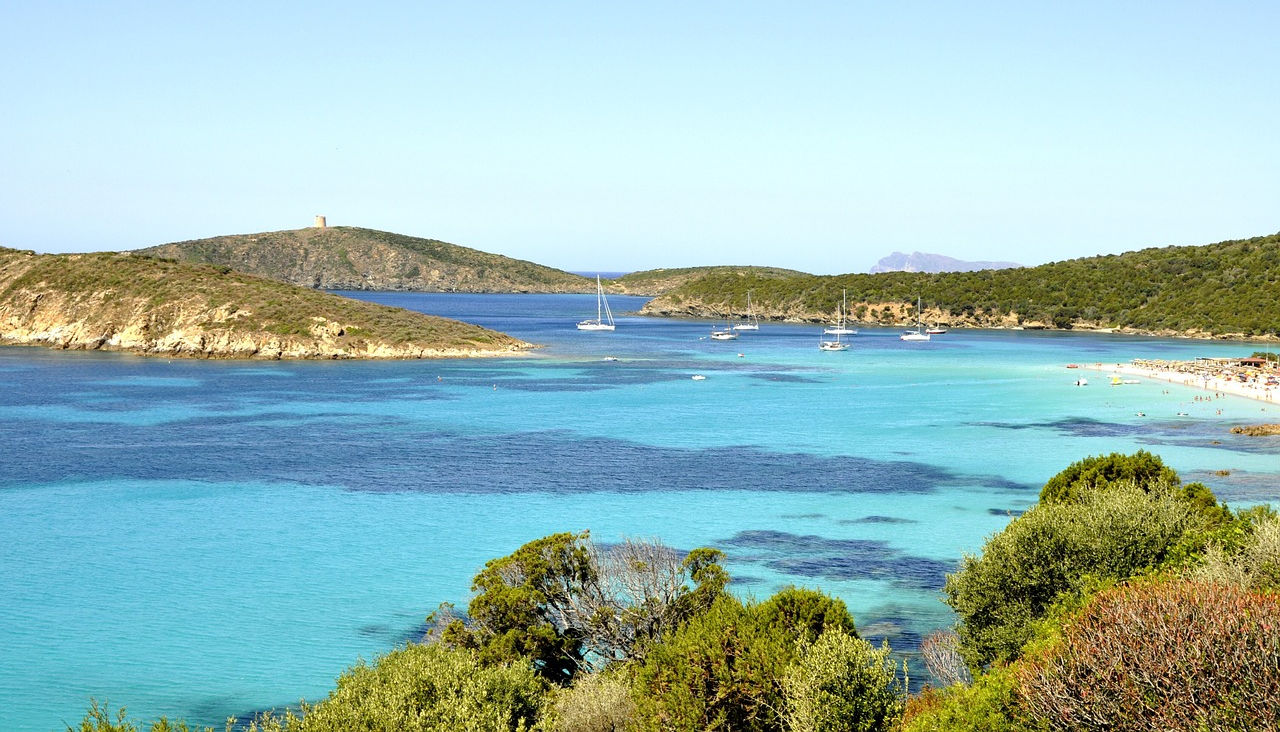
[658, 281]
[351, 258]
[102, 294]
[1124, 600]
[1225, 288]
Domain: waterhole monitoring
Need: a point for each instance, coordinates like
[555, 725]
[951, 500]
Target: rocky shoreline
[899, 315]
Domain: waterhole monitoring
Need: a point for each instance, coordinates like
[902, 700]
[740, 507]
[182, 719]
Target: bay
[203, 538]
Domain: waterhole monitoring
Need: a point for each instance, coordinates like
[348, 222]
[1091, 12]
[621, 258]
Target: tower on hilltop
[320, 224]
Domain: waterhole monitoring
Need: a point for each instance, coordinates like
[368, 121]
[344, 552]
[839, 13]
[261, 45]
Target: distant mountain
[351, 258]
[924, 262]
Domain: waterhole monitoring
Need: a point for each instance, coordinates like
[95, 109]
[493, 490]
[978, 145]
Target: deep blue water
[204, 539]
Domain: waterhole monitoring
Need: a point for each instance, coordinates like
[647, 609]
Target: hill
[1228, 289]
[351, 258]
[925, 262]
[150, 306]
[658, 281]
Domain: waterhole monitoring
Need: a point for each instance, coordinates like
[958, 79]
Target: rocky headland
[142, 305]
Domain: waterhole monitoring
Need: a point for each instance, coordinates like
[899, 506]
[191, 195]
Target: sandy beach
[1185, 373]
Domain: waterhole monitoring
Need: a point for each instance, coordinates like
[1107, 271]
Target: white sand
[1248, 390]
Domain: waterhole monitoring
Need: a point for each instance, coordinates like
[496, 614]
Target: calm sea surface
[204, 539]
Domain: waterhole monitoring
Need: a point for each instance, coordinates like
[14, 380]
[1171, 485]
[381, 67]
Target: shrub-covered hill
[350, 258]
[658, 281]
[1227, 289]
[151, 306]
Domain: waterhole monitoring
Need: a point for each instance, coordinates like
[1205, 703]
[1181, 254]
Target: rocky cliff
[142, 305]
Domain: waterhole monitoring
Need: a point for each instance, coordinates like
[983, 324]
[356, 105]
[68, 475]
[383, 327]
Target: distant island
[149, 306]
[924, 262]
[1222, 290]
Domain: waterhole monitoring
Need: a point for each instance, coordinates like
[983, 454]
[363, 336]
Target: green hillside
[147, 305]
[658, 281]
[350, 258]
[1228, 288]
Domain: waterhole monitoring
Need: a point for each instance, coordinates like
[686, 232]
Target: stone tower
[319, 222]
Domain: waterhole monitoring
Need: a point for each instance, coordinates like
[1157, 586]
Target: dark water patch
[803, 516]
[1074, 426]
[1238, 486]
[385, 453]
[745, 581]
[820, 557]
[1010, 512]
[778, 378]
[877, 520]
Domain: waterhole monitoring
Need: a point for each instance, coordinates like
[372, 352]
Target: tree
[568, 604]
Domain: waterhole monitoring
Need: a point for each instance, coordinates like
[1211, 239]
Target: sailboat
[918, 334]
[724, 335]
[839, 328]
[752, 322]
[836, 345]
[602, 312]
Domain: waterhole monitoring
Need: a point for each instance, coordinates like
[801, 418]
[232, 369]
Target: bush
[718, 671]
[1100, 471]
[1254, 564]
[427, 688]
[1053, 550]
[100, 719]
[1176, 655]
[841, 682]
[595, 703]
[990, 704]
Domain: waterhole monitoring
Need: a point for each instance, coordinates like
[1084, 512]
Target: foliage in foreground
[1161, 656]
[1056, 549]
[422, 688]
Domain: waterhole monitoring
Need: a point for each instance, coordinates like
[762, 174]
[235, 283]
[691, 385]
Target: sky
[623, 136]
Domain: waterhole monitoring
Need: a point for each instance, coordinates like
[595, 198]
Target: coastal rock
[1257, 430]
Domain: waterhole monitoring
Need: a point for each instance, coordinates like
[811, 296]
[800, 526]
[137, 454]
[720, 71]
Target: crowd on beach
[1251, 377]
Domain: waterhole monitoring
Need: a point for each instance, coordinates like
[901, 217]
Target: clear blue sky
[819, 136]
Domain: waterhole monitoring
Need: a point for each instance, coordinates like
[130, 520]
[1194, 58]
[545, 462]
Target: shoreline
[1205, 382]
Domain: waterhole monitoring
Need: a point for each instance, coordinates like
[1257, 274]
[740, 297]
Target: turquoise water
[204, 539]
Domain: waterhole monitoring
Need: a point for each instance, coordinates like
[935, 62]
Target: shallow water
[204, 539]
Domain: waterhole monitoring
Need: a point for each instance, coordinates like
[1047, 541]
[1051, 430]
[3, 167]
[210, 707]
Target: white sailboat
[752, 322]
[918, 334]
[840, 329]
[604, 317]
[727, 334]
[836, 345]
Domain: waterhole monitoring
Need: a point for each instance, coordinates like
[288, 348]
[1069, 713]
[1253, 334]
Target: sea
[210, 539]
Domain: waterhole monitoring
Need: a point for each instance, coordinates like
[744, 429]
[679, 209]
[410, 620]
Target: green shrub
[842, 682]
[598, 702]
[427, 688]
[1053, 549]
[720, 671]
[990, 704]
[1099, 471]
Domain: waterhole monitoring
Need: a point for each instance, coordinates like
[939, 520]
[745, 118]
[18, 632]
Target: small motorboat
[698, 377]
